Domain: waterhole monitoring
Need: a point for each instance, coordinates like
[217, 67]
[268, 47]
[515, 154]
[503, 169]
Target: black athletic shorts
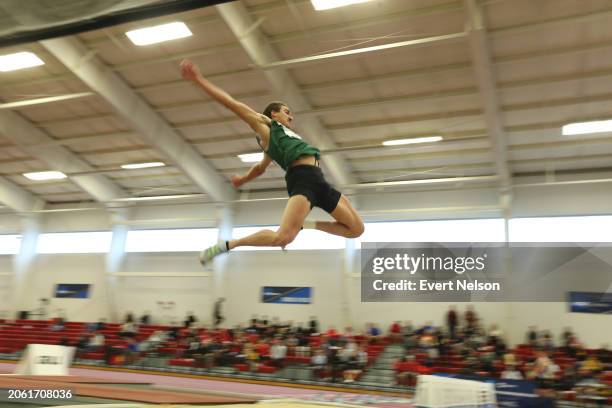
[308, 181]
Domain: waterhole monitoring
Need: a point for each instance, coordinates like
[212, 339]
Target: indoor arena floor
[120, 389]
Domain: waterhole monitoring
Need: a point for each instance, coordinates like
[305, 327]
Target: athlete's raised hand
[189, 70]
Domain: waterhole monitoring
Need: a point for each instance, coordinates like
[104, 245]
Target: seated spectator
[262, 347]
[407, 369]
[511, 373]
[495, 334]
[509, 359]
[348, 334]
[604, 354]
[193, 346]
[278, 353]
[541, 365]
[356, 365]
[319, 362]
[395, 332]
[81, 344]
[591, 366]
[411, 343]
[96, 342]
[251, 356]
[205, 356]
[303, 347]
[128, 329]
[569, 378]
[545, 342]
[291, 342]
[332, 333]
[101, 324]
[131, 351]
[253, 327]
[373, 333]
[58, 324]
[407, 329]
[566, 337]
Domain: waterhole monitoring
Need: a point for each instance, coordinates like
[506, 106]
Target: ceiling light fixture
[159, 33]
[330, 4]
[414, 140]
[251, 157]
[19, 60]
[45, 175]
[133, 166]
[582, 128]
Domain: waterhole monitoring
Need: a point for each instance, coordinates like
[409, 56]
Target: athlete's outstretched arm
[255, 171]
[257, 121]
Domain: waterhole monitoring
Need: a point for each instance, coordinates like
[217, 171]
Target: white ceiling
[550, 63]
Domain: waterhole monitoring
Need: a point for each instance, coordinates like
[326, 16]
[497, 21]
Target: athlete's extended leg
[348, 222]
[295, 213]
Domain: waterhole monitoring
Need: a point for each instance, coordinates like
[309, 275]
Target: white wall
[140, 294]
[248, 272]
[592, 329]
[49, 270]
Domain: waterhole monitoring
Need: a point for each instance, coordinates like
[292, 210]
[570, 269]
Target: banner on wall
[590, 302]
[286, 294]
[72, 290]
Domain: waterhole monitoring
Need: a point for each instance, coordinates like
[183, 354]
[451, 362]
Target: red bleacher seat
[184, 362]
[266, 369]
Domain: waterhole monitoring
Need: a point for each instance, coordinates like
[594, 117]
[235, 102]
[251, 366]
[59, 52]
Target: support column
[225, 223]
[114, 260]
[505, 202]
[22, 264]
[350, 260]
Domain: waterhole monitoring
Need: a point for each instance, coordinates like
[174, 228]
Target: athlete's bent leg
[348, 222]
[295, 213]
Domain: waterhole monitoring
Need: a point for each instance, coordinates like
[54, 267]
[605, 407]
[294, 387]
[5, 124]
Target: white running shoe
[209, 253]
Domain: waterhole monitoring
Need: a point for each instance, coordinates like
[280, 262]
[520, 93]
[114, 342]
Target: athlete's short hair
[273, 107]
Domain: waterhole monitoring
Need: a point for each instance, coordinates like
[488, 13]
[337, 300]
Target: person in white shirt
[511, 373]
[278, 353]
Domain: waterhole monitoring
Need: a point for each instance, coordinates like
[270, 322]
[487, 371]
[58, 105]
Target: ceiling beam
[261, 53]
[39, 145]
[17, 198]
[420, 42]
[485, 78]
[134, 109]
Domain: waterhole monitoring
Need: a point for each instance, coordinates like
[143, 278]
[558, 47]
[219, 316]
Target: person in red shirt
[395, 332]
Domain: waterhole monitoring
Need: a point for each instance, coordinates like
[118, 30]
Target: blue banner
[286, 294]
[72, 290]
[590, 302]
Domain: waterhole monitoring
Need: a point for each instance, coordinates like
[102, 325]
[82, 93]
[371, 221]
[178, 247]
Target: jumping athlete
[306, 185]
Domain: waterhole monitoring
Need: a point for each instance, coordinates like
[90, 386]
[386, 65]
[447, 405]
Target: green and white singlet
[286, 146]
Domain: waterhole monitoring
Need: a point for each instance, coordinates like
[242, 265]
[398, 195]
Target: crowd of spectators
[466, 347]
[463, 346]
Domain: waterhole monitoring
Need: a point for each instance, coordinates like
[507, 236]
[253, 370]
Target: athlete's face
[283, 116]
